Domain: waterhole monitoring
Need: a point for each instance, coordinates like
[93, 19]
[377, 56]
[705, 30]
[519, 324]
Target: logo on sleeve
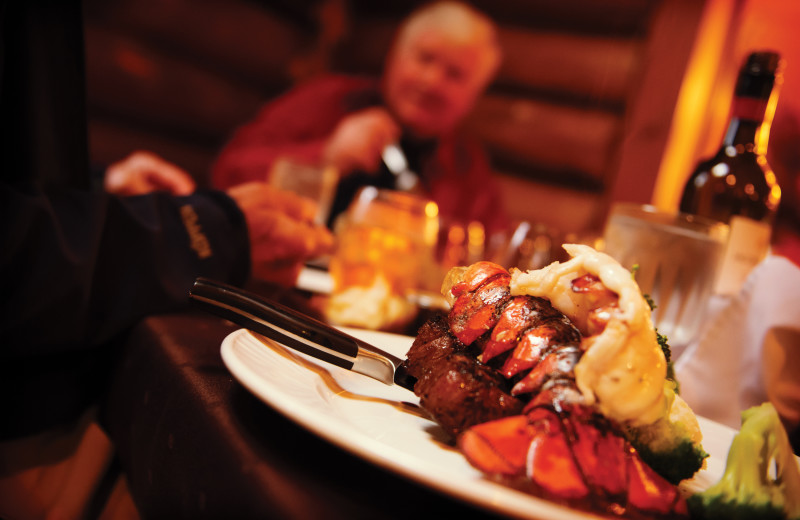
[198, 239]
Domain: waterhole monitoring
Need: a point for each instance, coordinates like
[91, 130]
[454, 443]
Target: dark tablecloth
[194, 443]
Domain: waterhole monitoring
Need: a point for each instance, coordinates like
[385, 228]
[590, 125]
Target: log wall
[577, 117]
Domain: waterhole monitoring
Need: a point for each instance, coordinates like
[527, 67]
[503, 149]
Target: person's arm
[144, 172]
[77, 268]
[296, 125]
[282, 231]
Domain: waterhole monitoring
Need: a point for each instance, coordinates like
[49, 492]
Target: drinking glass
[528, 246]
[315, 183]
[677, 257]
[385, 244]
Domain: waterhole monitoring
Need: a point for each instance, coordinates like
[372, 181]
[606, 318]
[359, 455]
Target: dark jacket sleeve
[78, 268]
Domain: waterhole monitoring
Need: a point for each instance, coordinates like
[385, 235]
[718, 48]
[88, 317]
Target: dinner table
[193, 442]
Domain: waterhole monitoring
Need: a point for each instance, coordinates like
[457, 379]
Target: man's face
[432, 81]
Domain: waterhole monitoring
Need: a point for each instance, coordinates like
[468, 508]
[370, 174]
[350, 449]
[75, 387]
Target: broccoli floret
[761, 478]
[665, 348]
[663, 342]
[671, 445]
[678, 463]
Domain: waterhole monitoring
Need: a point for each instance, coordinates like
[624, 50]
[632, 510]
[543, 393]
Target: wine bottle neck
[749, 124]
[742, 132]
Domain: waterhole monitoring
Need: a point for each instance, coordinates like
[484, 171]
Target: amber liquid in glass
[366, 251]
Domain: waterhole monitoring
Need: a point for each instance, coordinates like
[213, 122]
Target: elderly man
[442, 59]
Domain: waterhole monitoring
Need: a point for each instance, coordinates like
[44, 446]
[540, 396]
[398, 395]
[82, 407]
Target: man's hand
[143, 172]
[281, 230]
[359, 139]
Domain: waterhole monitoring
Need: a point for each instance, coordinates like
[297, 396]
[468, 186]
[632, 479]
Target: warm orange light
[763, 135]
[695, 105]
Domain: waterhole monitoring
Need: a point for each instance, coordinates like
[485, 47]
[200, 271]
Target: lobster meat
[498, 373]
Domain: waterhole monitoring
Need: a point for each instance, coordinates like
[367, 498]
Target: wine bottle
[737, 185]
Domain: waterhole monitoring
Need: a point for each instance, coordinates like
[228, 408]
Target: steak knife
[299, 331]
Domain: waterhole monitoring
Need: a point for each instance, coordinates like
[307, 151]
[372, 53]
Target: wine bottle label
[749, 108]
[748, 244]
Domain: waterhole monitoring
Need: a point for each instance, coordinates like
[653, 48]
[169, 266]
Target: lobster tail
[573, 456]
[498, 374]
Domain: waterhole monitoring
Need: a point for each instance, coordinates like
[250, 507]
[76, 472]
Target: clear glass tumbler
[677, 258]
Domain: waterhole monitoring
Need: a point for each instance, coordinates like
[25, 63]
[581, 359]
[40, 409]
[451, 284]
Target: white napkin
[749, 350]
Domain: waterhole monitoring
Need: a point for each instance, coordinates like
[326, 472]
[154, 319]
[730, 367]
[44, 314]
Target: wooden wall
[580, 112]
[176, 77]
[577, 117]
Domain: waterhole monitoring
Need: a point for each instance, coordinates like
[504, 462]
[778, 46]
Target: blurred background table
[194, 443]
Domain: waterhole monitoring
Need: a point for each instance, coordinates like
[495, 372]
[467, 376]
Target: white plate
[376, 422]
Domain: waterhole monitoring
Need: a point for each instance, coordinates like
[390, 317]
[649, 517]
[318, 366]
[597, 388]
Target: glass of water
[677, 257]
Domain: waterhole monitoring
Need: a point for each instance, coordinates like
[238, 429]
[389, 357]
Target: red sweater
[297, 125]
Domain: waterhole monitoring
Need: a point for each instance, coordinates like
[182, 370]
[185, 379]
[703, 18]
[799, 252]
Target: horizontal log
[561, 175]
[556, 137]
[560, 208]
[240, 39]
[618, 17]
[111, 141]
[590, 16]
[365, 46]
[133, 81]
[588, 69]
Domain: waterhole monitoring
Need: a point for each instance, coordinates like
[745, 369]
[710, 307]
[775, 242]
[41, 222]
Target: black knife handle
[277, 322]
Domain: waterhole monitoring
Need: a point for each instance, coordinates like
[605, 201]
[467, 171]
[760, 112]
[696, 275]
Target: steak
[454, 387]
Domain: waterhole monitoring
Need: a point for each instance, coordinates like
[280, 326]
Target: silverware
[299, 331]
[395, 160]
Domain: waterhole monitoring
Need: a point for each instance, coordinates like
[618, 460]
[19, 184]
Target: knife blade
[299, 331]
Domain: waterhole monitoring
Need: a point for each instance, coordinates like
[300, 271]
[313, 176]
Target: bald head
[442, 59]
[462, 24]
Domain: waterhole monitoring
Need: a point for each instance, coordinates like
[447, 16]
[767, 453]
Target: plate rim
[475, 492]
